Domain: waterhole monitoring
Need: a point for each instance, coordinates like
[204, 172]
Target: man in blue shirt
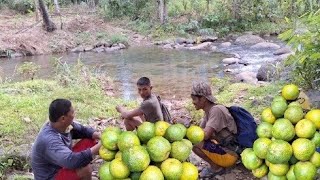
[53, 156]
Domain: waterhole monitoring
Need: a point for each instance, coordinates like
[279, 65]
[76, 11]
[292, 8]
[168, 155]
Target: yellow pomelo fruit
[189, 171]
[175, 132]
[283, 129]
[261, 171]
[279, 169]
[136, 158]
[264, 130]
[135, 175]
[314, 116]
[290, 92]
[152, 172]
[260, 147]
[158, 148]
[305, 129]
[315, 159]
[104, 172]
[294, 114]
[146, 131]
[303, 149]
[161, 127]
[250, 160]
[188, 143]
[118, 169]
[267, 116]
[316, 139]
[106, 154]
[180, 150]
[305, 170]
[128, 139]
[195, 134]
[290, 175]
[275, 177]
[118, 155]
[279, 152]
[172, 168]
[278, 108]
[109, 139]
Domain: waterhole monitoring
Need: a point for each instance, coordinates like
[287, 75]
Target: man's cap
[202, 89]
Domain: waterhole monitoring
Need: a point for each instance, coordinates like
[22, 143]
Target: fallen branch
[30, 27]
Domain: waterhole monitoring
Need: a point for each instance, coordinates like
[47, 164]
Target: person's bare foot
[209, 172]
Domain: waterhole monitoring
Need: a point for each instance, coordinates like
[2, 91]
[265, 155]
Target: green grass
[21, 102]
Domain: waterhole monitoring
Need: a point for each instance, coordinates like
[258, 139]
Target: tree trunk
[208, 6]
[235, 9]
[57, 8]
[36, 9]
[163, 13]
[48, 24]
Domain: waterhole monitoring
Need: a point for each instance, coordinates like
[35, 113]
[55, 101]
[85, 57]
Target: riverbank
[22, 35]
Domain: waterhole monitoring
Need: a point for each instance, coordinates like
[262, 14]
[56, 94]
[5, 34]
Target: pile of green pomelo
[154, 151]
[288, 137]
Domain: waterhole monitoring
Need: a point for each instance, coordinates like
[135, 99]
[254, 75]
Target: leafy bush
[22, 6]
[305, 39]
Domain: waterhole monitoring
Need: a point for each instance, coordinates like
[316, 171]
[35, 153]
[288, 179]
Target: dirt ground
[76, 26]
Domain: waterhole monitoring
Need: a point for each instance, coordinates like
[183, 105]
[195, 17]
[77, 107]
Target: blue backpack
[246, 125]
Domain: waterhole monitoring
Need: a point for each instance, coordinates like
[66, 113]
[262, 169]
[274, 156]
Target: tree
[57, 8]
[48, 24]
[162, 11]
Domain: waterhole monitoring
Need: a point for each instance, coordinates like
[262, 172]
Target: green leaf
[315, 56]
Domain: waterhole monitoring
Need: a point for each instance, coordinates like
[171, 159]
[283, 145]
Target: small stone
[167, 46]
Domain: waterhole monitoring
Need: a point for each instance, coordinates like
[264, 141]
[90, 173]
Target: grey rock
[236, 55]
[283, 57]
[99, 49]
[248, 40]
[78, 49]
[214, 48]
[314, 97]
[122, 46]
[88, 48]
[189, 45]
[190, 41]
[179, 46]
[283, 50]
[230, 61]
[111, 49]
[16, 54]
[157, 43]
[167, 46]
[265, 46]
[208, 39]
[225, 45]
[201, 46]
[266, 72]
[180, 40]
[247, 77]
[102, 43]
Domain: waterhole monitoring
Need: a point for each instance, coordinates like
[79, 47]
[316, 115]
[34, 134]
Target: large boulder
[247, 77]
[266, 72]
[248, 40]
[283, 50]
[265, 46]
[201, 46]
